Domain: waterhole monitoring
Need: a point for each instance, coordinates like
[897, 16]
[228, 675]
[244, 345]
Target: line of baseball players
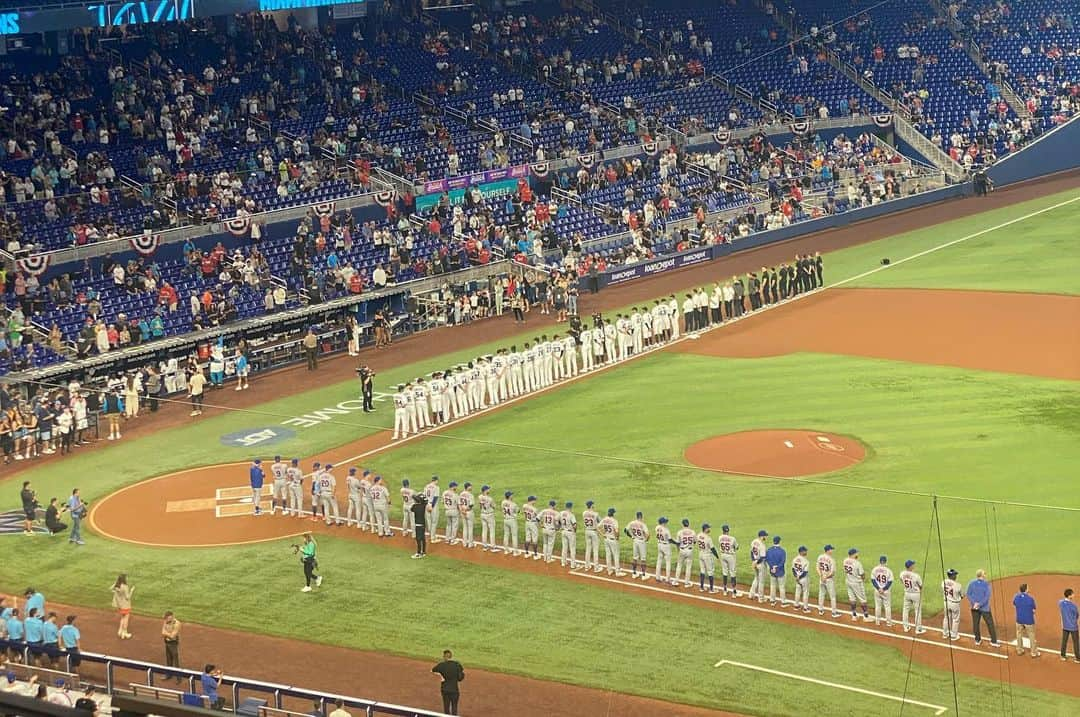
[368, 508]
[508, 373]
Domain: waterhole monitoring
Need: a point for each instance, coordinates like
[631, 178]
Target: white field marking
[824, 439]
[685, 337]
[240, 492]
[745, 605]
[938, 709]
[789, 444]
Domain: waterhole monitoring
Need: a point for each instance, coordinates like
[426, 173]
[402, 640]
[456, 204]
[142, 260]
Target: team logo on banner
[586, 160]
[800, 127]
[11, 523]
[145, 244]
[324, 209]
[883, 120]
[386, 197]
[650, 148]
[34, 265]
[722, 136]
[238, 226]
[540, 169]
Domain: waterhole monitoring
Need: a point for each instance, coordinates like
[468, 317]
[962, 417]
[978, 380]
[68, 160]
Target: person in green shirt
[308, 559]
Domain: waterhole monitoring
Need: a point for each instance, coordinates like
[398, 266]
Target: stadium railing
[236, 687]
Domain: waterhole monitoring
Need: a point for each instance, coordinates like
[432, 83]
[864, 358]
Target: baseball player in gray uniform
[881, 578]
[663, 550]
[532, 527]
[638, 533]
[728, 547]
[408, 495]
[450, 505]
[368, 515]
[706, 559]
[685, 539]
[826, 570]
[912, 583]
[800, 571]
[280, 495]
[855, 577]
[568, 526]
[327, 498]
[549, 523]
[953, 593]
[609, 528]
[356, 500]
[380, 497]
[295, 475]
[466, 504]
[487, 518]
[591, 520]
[433, 496]
[510, 524]
[757, 560]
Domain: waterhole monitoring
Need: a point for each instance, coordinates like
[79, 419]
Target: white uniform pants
[802, 592]
[586, 356]
[549, 545]
[912, 603]
[353, 509]
[510, 535]
[382, 519]
[527, 378]
[453, 519]
[367, 515]
[408, 520]
[683, 563]
[504, 386]
[663, 562]
[611, 554]
[883, 606]
[757, 587]
[422, 415]
[487, 529]
[592, 549]
[330, 508]
[950, 621]
[296, 498]
[401, 422]
[826, 587]
[569, 548]
[516, 380]
[467, 534]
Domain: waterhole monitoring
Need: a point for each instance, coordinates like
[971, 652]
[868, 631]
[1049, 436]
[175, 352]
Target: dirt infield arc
[777, 453]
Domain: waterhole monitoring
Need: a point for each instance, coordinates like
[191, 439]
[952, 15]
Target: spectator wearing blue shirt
[15, 632]
[775, 559]
[1025, 620]
[1069, 616]
[978, 594]
[50, 638]
[211, 682]
[256, 476]
[34, 600]
[33, 629]
[69, 641]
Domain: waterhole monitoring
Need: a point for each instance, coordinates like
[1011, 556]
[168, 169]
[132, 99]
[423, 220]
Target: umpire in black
[452, 673]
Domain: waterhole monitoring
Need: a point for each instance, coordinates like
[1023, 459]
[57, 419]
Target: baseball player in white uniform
[570, 362]
[532, 527]
[557, 363]
[855, 577]
[758, 566]
[599, 341]
[355, 505]
[547, 361]
[953, 593]
[466, 505]
[881, 578]
[591, 520]
[367, 515]
[826, 570]
[549, 525]
[663, 550]
[800, 571]
[673, 317]
[728, 547]
[622, 329]
[707, 556]
[327, 498]
[295, 476]
[638, 533]
[437, 389]
[586, 337]
[410, 407]
[477, 380]
[487, 518]
[433, 496]
[568, 528]
[514, 361]
[501, 365]
[528, 369]
[610, 333]
[637, 342]
[280, 494]
[453, 516]
[684, 539]
[401, 414]
[420, 404]
[491, 377]
[408, 495]
[510, 524]
[380, 498]
[609, 528]
[912, 583]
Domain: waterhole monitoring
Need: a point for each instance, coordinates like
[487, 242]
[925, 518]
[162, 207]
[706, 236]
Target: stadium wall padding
[1056, 151]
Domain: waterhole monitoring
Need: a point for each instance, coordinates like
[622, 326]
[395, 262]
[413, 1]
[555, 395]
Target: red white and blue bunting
[800, 127]
[145, 244]
[883, 120]
[650, 148]
[386, 197]
[34, 265]
[238, 226]
[540, 169]
[587, 160]
[325, 209]
[722, 136]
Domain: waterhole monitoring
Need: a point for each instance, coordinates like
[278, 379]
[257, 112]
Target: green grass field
[618, 438]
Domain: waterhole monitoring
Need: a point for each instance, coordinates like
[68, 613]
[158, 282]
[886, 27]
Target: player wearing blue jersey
[776, 560]
[256, 476]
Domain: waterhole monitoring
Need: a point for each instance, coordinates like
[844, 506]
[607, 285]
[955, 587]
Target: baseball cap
[589, 503]
[883, 559]
[328, 466]
[531, 497]
[762, 533]
[952, 573]
[352, 471]
[508, 493]
[725, 527]
[638, 514]
[367, 472]
[686, 522]
[317, 464]
[485, 487]
[296, 461]
[378, 479]
[662, 519]
[908, 563]
[277, 458]
[852, 551]
[453, 484]
[611, 511]
[569, 504]
[468, 484]
[258, 461]
[705, 526]
[802, 548]
[776, 540]
[551, 503]
[405, 482]
[828, 547]
[434, 477]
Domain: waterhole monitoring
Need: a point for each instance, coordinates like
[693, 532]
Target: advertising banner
[503, 188]
[468, 180]
[622, 274]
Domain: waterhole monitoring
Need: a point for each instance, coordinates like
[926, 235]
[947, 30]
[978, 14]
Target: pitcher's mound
[777, 453]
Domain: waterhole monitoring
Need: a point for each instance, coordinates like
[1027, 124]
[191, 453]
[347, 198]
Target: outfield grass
[930, 429]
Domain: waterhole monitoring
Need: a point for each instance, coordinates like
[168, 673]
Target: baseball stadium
[540, 358]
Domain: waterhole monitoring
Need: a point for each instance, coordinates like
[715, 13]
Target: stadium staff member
[420, 508]
[451, 673]
[311, 349]
[310, 562]
[978, 594]
[1025, 621]
[1069, 628]
[170, 634]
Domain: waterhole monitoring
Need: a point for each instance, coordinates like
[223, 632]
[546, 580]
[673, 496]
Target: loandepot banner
[647, 268]
[502, 188]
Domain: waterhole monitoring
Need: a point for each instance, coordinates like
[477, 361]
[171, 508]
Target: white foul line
[793, 616]
[938, 709]
[695, 335]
